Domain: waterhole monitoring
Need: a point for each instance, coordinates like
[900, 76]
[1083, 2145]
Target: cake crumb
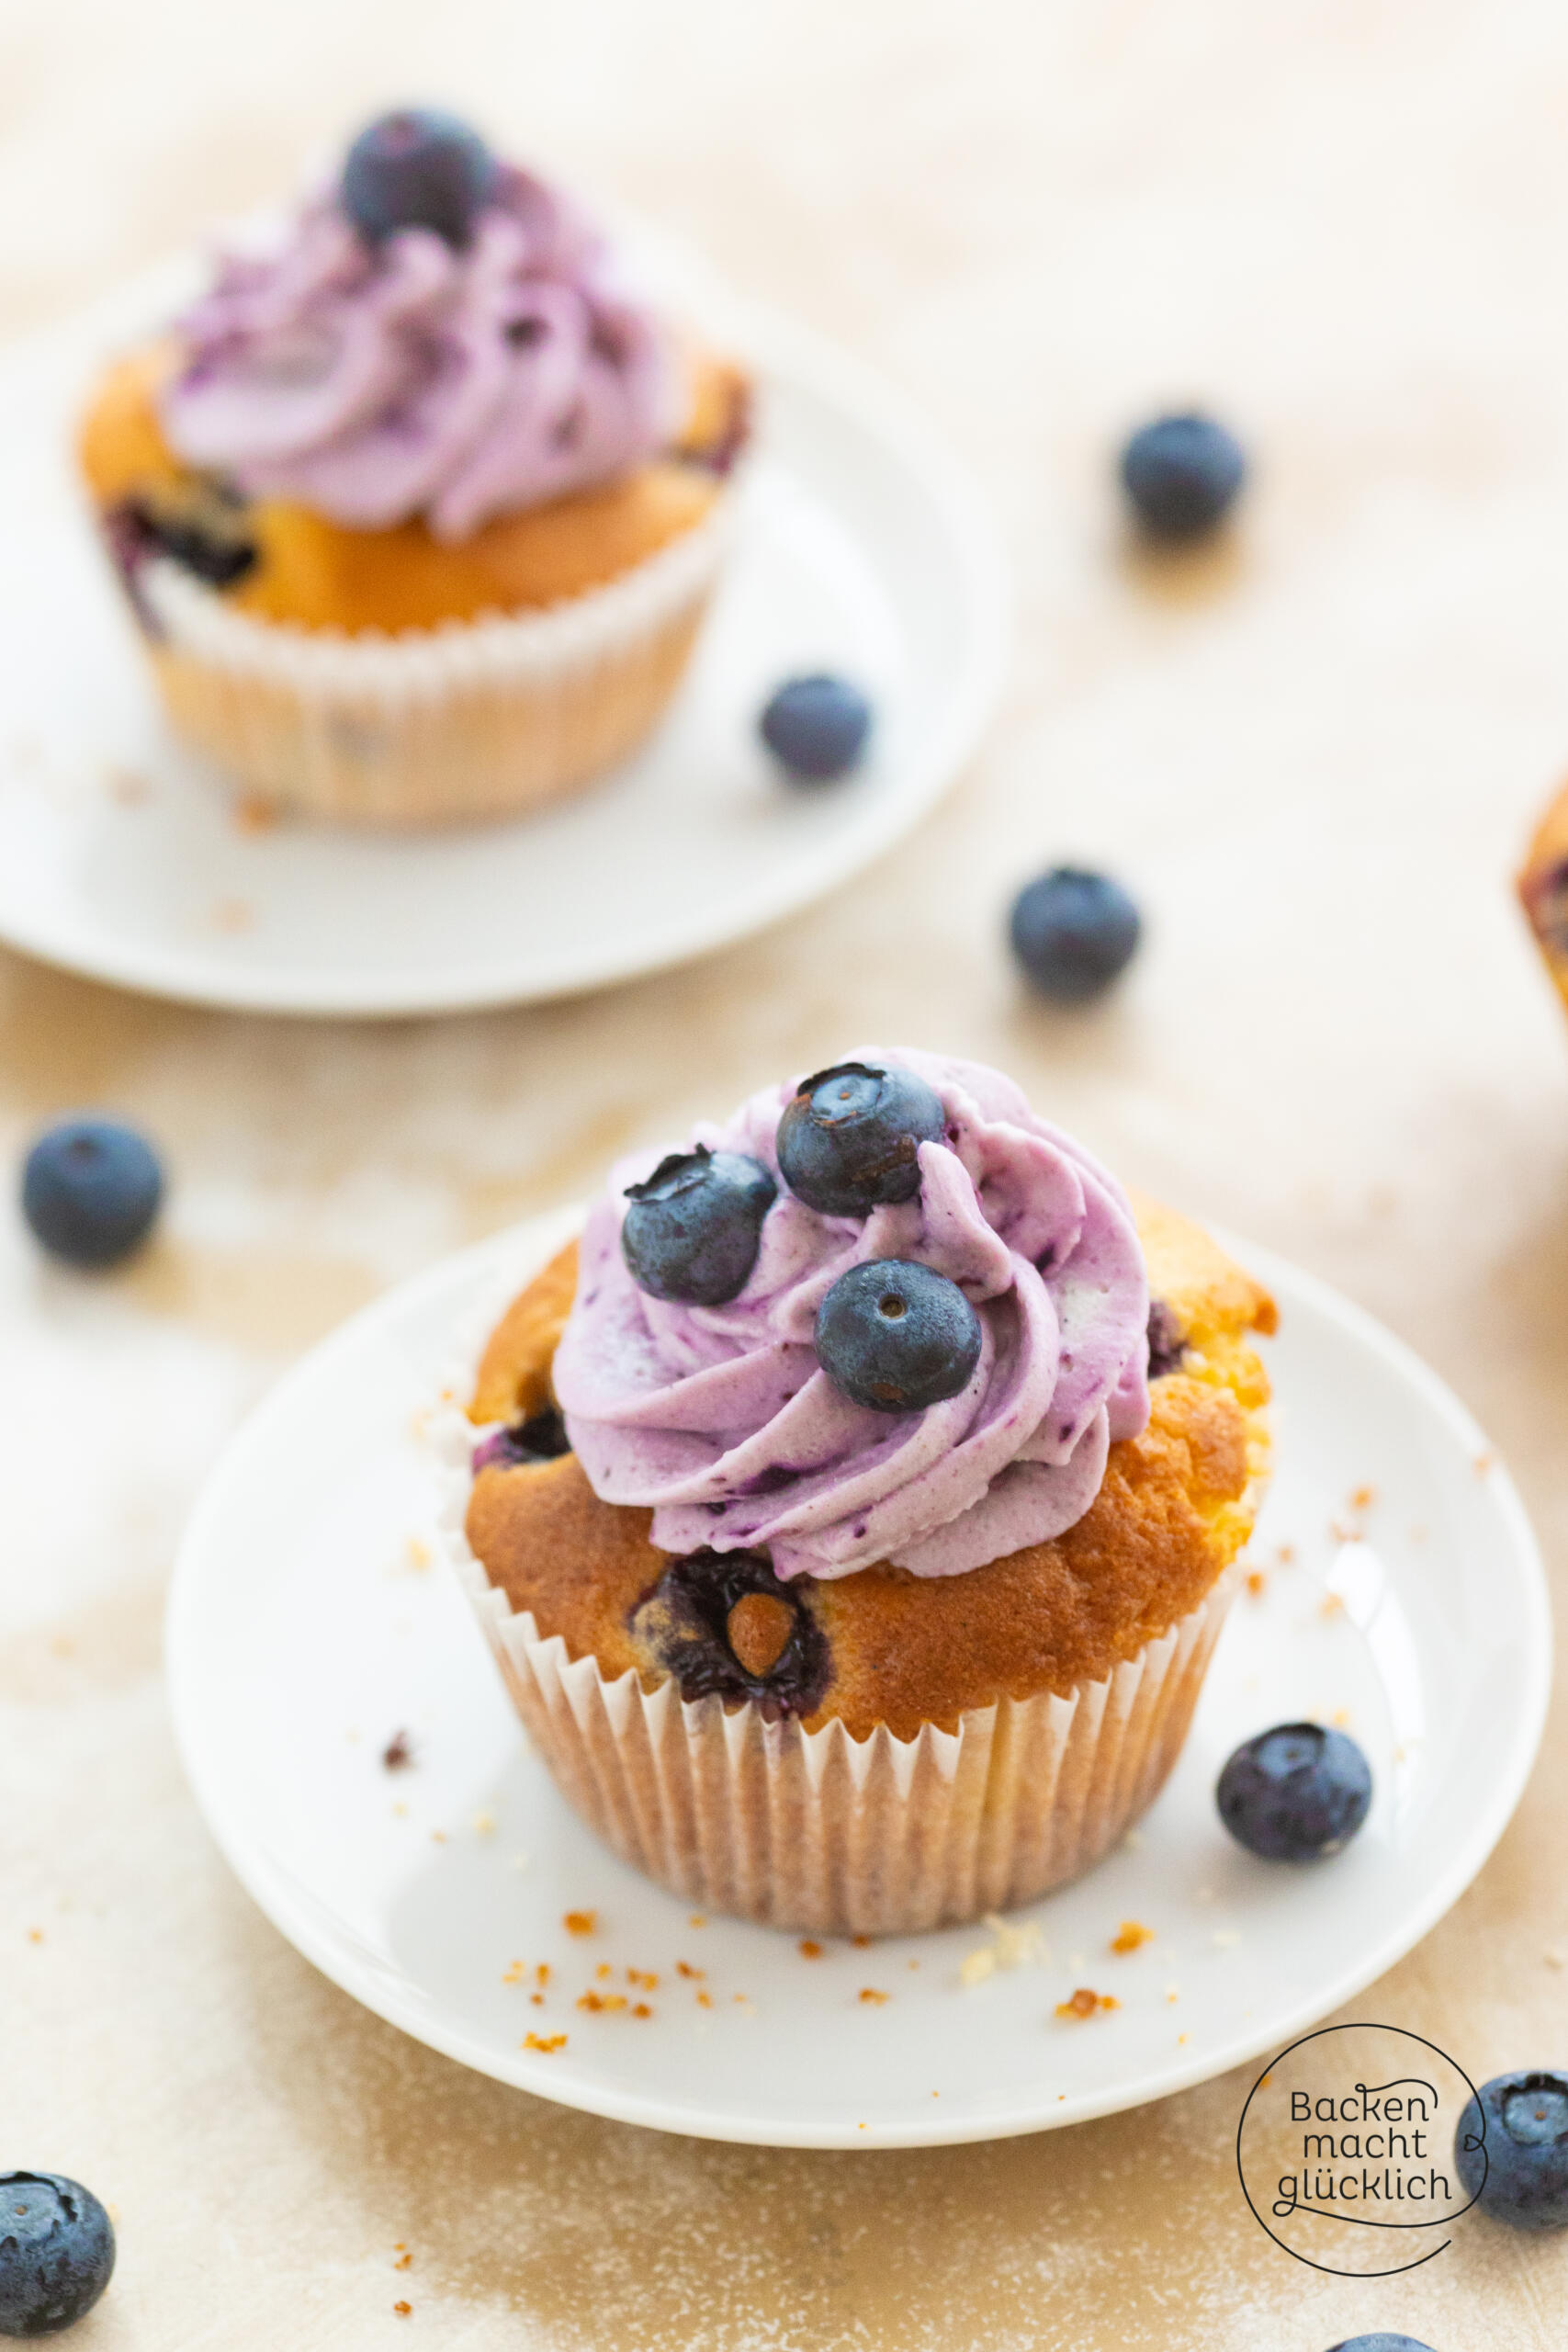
[1085, 2002]
[1485, 1461]
[1173, 1992]
[401, 1811]
[641, 2009]
[403, 2311]
[397, 1752]
[1181, 2038]
[254, 814]
[545, 2044]
[1364, 1499]
[484, 1825]
[1011, 1947]
[604, 1969]
[404, 2260]
[1340, 1718]
[1285, 1556]
[1132, 1843]
[1131, 1936]
[438, 1836]
[684, 1968]
[513, 1974]
[579, 1923]
[647, 1978]
[871, 1997]
[704, 2000]
[418, 1553]
[810, 1948]
[598, 2003]
[1257, 1583]
[696, 1920]
[1331, 1605]
[860, 1943]
[35, 1935]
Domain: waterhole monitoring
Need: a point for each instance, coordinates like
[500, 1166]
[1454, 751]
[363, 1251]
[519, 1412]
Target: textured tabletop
[1315, 755]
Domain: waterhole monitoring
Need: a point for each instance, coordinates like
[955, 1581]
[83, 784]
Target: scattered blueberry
[91, 1190]
[56, 2253]
[850, 1137]
[817, 728]
[1073, 933]
[1182, 474]
[418, 168]
[694, 1227]
[1524, 2159]
[896, 1336]
[541, 1438]
[1295, 1793]
[686, 1619]
[1382, 2342]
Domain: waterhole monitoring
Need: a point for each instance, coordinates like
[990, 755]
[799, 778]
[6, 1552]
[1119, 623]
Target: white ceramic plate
[304, 1634]
[861, 549]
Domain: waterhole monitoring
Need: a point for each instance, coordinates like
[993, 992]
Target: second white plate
[861, 549]
[1400, 1592]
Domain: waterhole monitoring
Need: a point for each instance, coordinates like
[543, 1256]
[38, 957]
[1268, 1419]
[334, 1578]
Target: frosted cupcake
[857, 1508]
[419, 507]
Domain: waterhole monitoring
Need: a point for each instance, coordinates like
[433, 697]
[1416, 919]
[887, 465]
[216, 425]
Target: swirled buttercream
[721, 1420]
[377, 383]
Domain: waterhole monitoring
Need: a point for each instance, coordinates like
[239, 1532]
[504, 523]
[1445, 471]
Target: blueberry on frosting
[896, 1336]
[848, 1141]
[693, 1228]
[418, 168]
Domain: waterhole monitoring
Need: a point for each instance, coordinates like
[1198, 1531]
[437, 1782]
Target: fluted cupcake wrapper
[477, 718]
[824, 1834]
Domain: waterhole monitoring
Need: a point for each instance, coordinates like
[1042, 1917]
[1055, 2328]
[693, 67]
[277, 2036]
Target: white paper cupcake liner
[817, 1831]
[476, 718]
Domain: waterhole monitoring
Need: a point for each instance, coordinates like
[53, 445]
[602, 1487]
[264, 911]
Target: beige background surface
[1315, 755]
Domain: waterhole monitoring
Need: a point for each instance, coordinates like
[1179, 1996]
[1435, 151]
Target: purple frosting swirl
[375, 384]
[722, 1421]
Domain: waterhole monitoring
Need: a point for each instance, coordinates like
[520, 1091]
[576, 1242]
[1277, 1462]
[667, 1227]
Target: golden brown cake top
[881, 1645]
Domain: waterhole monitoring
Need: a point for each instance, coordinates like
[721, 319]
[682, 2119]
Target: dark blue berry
[1295, 1793]
[541, 1438]
[692, 1624]
[56, 2253]
[91, 1190]
[1182, 474]
[694, 1227]
[849, 1140]
[417, 169]
[896, 1336]
[817, 728]
[1382, 2342]
[1073, 933]
[1522, 2157]
[1168, 1342]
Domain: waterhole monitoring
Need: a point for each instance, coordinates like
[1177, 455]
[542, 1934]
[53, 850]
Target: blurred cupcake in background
[419, 507]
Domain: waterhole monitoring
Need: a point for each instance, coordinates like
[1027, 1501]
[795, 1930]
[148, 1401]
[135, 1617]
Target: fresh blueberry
[817, 728]
[896, 1336]
[90, 1191]
[56, 2253]
[700, 1622]
[417, 169]
[694, 1227]
[1073, 933]
[1516, 2144]
[1182, 474]
[849, 1140]
[541, 1438]
[1382, 2342]
[1295, 1793]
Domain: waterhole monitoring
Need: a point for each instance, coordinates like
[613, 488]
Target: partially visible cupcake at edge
[856, 1505]
[420, 505]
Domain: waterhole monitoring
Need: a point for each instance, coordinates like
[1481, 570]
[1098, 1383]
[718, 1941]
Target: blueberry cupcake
[856, 1503]
[1543, 890]
[419, 507]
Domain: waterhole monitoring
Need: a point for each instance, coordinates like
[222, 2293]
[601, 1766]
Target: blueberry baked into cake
[854, 1514]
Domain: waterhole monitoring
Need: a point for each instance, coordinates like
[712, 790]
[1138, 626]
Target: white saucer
[861, 549]
[304, 1632]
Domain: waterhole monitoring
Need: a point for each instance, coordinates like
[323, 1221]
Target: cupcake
[1543, 890]
[857, 1501]
[419, 507]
